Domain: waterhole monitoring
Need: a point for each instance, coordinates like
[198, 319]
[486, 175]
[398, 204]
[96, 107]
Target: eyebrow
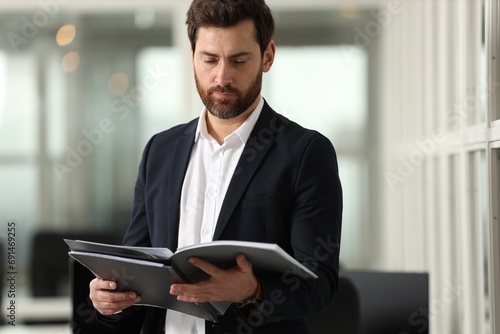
[236, 55]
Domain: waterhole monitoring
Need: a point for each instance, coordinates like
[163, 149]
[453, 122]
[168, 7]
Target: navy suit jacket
[285, 190]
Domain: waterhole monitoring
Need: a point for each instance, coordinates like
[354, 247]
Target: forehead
[237, 38]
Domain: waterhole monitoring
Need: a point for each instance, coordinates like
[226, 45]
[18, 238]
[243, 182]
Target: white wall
[440, 138]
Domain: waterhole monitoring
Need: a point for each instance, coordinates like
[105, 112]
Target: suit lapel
[260, 141]
[180, 160]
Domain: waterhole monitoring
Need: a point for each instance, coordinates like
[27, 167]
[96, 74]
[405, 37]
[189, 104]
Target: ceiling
[145, 25]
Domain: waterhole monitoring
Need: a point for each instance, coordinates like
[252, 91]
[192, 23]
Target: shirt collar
[243, 132]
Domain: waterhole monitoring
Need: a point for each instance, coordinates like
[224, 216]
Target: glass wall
[73, 112]
[81, 95]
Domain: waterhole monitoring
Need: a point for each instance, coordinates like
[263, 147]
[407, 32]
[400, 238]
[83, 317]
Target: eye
[210, 60]
[239, 61]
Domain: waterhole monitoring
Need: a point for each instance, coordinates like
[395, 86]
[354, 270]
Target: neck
[221, 128]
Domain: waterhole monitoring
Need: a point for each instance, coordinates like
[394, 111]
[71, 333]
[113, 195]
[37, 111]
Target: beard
[229, 108]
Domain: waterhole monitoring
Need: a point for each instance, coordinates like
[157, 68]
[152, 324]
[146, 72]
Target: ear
[268, 58]
[192, 57]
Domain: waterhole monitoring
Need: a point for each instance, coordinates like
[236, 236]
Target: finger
[178, 289]
[112, 308]
[99, 284]
[205, 266]
[111, 302]
[192, 299]
[99, 290]
[194, 293]
[113, 297]
[243, 263]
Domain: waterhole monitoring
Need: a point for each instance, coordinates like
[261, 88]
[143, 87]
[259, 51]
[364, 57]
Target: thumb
[243, 263]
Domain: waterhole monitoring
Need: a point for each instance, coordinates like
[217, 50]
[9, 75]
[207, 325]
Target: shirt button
[216, 156]
[211, 194]
[206, 232]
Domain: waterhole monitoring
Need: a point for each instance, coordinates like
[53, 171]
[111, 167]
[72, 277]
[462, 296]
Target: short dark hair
[227, 13]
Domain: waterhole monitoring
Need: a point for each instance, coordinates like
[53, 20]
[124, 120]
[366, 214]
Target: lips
[223, 96]
[226, 91]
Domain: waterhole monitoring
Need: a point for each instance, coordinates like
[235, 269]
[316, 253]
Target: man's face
[228, 68]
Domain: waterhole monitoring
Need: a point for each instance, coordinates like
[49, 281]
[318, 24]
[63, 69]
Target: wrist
[258, 292]
[254, 298]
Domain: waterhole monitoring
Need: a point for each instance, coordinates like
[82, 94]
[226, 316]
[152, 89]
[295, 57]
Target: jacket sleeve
[315, 223]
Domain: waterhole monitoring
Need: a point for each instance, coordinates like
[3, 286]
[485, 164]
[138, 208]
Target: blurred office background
[406, 90]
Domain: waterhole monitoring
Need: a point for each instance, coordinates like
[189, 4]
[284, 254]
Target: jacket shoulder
[167, 138]
[286, 130]
[177, 131]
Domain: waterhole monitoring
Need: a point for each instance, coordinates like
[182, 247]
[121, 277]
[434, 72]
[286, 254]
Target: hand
[107, 301]
[231, 285]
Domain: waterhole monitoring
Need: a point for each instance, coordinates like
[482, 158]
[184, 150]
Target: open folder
[150, 271]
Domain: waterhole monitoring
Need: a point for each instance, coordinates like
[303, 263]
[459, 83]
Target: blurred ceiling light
[349, 12]
[118, 83]
[65, 35]
[144, 19]
[71, 61]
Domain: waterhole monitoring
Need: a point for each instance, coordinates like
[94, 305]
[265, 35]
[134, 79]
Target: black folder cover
[151, 271]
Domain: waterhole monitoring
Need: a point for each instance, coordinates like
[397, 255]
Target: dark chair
[344, 313]
[49, 260]
[376, 303]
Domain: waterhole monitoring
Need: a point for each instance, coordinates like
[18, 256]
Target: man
[238, 172]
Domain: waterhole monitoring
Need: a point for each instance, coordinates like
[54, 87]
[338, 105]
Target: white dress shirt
[211, 167]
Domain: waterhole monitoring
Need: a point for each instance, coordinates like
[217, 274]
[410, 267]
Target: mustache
[223, 89]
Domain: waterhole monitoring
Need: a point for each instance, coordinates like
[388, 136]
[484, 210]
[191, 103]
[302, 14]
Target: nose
[224, 74]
